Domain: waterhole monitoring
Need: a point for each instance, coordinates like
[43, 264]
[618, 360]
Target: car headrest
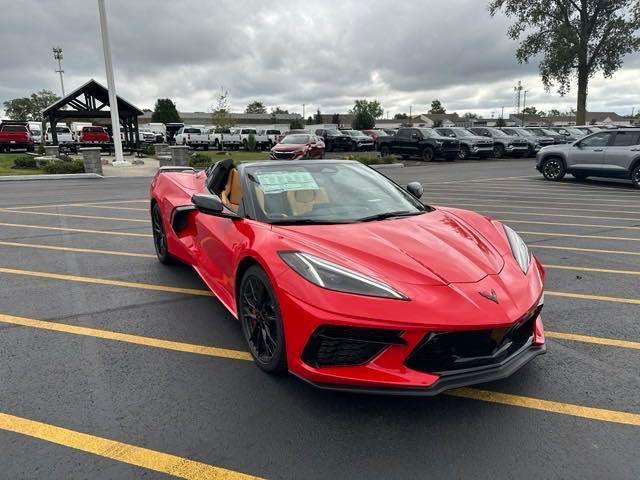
[235, 189]
[218, 179]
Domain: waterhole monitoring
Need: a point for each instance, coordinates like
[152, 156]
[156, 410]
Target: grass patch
[370, 158]
[238, 156]
[6, 162]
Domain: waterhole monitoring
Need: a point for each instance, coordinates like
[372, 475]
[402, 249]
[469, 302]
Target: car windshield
[352, 133]
[574, 131]
[548, 132]
[496, 133]
[429, 132]
[525, 133]
[461, 132]
[327, 192]
[296, 139]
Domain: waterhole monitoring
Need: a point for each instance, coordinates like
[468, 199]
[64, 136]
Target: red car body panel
[441, 260]
[94, 135]
[295, 151]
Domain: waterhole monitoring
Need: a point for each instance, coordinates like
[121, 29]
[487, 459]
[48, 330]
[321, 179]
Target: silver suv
[613, 154]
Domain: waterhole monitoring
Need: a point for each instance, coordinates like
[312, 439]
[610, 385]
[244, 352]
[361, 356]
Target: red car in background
[347, 280]
[15, 135]
[94, 135]
[296, 146]
[375, 134]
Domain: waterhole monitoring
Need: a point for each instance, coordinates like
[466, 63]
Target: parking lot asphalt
[115, 366]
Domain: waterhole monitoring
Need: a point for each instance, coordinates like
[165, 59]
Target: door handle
[598, 149]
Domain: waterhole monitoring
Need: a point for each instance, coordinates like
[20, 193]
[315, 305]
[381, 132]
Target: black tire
[321, 154]
[159, 236]
[530, 151]
[261, 321]
[553, 169]
[385, 151]
[463, 154]
[498, 150]
[427, 154]
[351, 147]
[406, 157]
[635, 176]
[184, 141]
[330, 147]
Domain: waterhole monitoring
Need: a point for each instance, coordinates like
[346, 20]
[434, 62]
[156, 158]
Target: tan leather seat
[303, 201]
[232, 194]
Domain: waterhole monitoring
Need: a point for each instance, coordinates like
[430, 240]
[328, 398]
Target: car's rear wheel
[427, 154]
[463, 154]
[385, 151]
[261, 321]
[553, 169]
[635, 177]
[159, 236]
[498, 150]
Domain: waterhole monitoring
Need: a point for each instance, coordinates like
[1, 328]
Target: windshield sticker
[274, 182]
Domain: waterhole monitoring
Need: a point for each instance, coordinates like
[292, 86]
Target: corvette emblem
[493, 296]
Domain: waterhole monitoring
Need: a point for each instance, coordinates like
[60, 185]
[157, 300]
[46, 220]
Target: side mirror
[211, 205]
[415, 189]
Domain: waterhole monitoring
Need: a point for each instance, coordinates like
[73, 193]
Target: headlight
[518, 248]
[437, 142]
[331, 276]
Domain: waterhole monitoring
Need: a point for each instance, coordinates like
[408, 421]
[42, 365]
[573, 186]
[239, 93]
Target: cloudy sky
[322, 53]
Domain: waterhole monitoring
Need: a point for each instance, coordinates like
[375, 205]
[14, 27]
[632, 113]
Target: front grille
[283, 155]
[451, 145]
[451, 352]
[341, 346]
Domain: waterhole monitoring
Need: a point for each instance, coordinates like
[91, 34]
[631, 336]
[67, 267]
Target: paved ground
[103, 373]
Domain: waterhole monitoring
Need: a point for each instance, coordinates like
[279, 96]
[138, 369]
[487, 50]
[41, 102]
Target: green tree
[309, 120]
[401, 116]
[574, 38]
[296, 124]
[501, 123]
[255, 107]
[165, 111]
[335, 119]
[279, 111]
[372, 108]
[470, 116]
[363, 121]
[530, 111]
[30, 108]
[553, 112]
[221, 117]
[436, 107]
[317, 118]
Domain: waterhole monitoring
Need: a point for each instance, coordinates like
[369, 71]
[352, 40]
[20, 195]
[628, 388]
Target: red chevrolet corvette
[347, 280]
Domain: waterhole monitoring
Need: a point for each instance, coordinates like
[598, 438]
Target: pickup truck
[64, 134]
[273, 135]
[194, 137]
[15, 135]
[262, 141]
[94, 135]
[224, 138]
[425, 143]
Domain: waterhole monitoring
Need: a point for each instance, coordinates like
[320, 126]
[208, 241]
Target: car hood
[477, 139]
[288, 147]
[436, 248]
[511, 138]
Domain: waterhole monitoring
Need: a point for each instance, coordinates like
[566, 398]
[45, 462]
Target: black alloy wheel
[261, 321]
[553, 169]
[463, 154]
[159, 236]
[427, 154]
[498, 150]
[635, 177]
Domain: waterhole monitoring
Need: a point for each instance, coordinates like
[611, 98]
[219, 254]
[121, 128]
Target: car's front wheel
[635, 177]
[427, 154]
[498, 150]
[385, 151]
[159, 236]
[553, 169]
[261, 321]
[463, 154]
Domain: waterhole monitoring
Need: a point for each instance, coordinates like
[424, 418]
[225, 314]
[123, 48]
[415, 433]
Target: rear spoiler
[171, 168]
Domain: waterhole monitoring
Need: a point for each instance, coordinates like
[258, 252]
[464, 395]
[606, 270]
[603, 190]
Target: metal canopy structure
[91, 100]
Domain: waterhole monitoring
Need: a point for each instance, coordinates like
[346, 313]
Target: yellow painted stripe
[602, 298]
[564, 209]
[125, 337]
[548, 406]
[563, 224]
[122, 452]
[573, 235]
[111, 207]
[106, 281]
[528, 214]
[524, 402]
[474, 205]
[591, 269]
[536, 194]
[609, 342]
[512, 201]
[493, 179]
[589, 250]
[76, 230]
[72, 215]
[77, 250]
[48, 205]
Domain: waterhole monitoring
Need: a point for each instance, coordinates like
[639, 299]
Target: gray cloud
[320, 53]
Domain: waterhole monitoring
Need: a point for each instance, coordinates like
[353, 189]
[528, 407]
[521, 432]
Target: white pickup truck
[262, 141]
[226, 138]
[64, 134]
[194, 137]
[273, 135]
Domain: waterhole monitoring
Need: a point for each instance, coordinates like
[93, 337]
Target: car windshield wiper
[385, 215]
[307, 221]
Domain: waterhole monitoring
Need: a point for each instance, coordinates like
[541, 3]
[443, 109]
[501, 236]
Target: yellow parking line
[562, 224]
[72, 215]
[595, 270]
[537, 214]
[122, 452]
[631, 212]
[125, 337]
[23, 207]
[76, 230]
[602, 298]
[106, 281]
[548, 406]
[609, 342]
[520, 401]
[78, 250]
[478, 180]
[511, 201]
[504, 192]
[572, 235]
[575, 249]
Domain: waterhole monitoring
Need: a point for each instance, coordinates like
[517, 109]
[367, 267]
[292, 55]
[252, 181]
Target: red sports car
[347, 280]
[299, 145]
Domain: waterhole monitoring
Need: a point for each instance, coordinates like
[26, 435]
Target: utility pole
[502, 114]
[518, 90]
[524, 107]
[111, 86]
[303, 117]
[57, 55]
[410, 121]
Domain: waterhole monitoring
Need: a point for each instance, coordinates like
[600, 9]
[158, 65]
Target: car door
[402, 141]
[588, 153]
[624, 148]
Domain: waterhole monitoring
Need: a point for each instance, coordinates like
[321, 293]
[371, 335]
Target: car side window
[404, 133]
[626, 139]
[598, 140]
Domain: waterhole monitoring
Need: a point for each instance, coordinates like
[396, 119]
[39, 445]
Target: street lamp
[57, 55]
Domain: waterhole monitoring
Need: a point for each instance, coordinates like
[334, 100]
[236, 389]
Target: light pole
[111, 86]
[524, 107]
[57, 55]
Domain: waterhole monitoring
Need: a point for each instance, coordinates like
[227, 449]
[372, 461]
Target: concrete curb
[61, 176]
[388, 165]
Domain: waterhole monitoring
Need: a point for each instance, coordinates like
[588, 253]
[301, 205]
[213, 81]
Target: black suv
[425, 143]
[334, 139]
